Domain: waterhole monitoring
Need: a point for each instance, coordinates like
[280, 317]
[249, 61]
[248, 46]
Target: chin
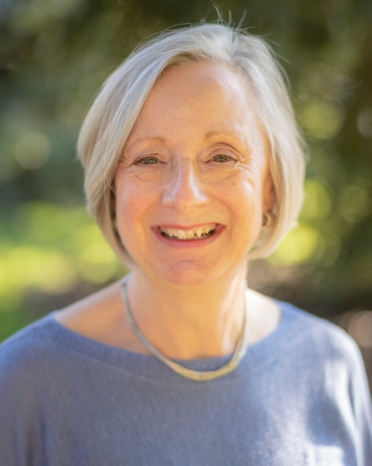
[188, 274]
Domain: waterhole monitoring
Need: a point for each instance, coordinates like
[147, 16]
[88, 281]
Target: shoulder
[329, 360]
[335, 375]
[321, 339]
[31, 392]
[28, 360]
[24, 351]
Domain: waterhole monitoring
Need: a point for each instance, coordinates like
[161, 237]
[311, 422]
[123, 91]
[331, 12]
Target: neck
[188, 322]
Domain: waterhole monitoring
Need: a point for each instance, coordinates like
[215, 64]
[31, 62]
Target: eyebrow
[152, 139]
[208, 135]
[234, 135]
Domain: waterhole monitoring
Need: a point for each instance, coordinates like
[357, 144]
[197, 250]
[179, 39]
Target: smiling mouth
[188, 235]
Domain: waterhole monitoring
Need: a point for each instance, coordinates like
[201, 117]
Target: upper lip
[189, 227]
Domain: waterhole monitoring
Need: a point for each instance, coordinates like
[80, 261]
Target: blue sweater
[299, 397]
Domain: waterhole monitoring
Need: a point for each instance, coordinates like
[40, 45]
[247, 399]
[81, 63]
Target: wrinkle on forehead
[182, 105]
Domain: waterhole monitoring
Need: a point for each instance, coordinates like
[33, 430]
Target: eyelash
[142, 160]
[228, 158]
[145, 160]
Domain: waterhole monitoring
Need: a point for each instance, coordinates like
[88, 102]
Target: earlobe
[269, 199]
[268, 219]
[113, 210]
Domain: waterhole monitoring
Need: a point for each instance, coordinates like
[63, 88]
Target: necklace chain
[201, 376]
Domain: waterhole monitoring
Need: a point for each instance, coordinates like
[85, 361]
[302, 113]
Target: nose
[184, 189]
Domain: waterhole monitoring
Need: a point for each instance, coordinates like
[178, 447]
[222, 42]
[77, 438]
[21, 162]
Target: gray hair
[120, 100]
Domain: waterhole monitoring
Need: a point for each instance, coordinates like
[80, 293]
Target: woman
[193, 164]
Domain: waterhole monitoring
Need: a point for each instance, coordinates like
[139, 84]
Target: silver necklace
[203, 376]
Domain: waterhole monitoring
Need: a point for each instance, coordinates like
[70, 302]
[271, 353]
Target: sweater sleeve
[361, 403]
[21, 429]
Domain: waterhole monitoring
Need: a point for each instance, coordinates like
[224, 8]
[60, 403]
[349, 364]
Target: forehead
[201, 96]
[195, 76]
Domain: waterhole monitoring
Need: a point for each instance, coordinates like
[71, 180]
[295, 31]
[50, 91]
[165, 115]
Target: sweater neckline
[259, 355]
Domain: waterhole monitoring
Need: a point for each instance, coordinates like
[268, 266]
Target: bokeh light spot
[322, 119]
[354, 203]
[297, 246]
[317, 202]
[34, 267]
[364, 123]
[32, 150]
[360, 328]
[97, 263]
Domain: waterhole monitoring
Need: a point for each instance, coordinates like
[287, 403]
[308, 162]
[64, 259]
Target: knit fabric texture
[299, 397]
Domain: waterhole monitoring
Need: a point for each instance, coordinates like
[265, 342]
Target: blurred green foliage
[54, 55]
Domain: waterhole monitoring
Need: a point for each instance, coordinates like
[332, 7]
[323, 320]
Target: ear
[112, 202]
[269, 193]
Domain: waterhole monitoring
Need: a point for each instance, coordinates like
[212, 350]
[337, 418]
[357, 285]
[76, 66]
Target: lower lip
[191, 243]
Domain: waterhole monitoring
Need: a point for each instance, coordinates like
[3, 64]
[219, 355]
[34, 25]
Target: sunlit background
[54, 55]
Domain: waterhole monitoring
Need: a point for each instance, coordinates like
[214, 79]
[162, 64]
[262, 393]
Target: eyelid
[163, 156]
[144, 157]
[154, 151]
[225, 152]
[225, 146]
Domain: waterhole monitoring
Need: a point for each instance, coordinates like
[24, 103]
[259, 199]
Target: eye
[221, 158]
[150, 160]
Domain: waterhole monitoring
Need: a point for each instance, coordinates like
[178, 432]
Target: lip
[191, 243]
[189, 227]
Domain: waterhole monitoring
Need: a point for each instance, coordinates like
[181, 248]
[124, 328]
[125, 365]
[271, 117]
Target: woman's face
[193, 180]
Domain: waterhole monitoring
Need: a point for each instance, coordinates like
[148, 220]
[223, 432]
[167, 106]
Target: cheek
[131, 203]
[244, 193]
[250, 206]
[249, 210]
[250, 214]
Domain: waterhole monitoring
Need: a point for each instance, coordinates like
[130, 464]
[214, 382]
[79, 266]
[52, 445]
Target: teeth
[198, 232]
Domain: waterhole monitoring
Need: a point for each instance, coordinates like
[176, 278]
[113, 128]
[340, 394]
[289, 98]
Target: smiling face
[193, 180]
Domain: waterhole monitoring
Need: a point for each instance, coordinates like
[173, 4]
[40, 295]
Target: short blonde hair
[120, 100]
